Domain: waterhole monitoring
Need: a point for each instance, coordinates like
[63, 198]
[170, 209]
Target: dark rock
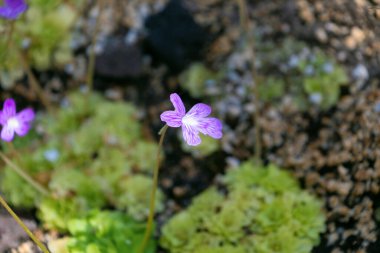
[173, 36]
[119, 60]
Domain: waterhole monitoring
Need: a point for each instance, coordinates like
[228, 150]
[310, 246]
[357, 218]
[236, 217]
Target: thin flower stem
[8, 41]
[23, 226]
[10, 33]
[34, 84]
[36, 87]
[24, 175]
[149, 223]
[245, 28]
[91, 60]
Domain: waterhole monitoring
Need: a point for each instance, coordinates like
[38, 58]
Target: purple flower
[14, 122]
[12, 9]
[192, 122]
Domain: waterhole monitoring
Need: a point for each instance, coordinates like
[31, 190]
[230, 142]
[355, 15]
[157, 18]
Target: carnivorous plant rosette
[193, 122]
[18, 123]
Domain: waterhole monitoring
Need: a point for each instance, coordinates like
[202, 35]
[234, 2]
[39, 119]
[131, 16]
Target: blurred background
[295, 82]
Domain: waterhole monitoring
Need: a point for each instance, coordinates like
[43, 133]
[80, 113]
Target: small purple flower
[192, 122]
[12, 9]
[14, 122]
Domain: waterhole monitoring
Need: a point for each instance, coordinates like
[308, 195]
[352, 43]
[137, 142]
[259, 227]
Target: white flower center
[13, 123]
[189, 121]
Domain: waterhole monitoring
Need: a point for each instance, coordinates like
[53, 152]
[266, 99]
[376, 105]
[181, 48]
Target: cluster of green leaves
[90, 155]
[194, 78]
[288, 67]
[103, 232]
[264, 211]
[43, 32]
[310, 76]
[208, 146]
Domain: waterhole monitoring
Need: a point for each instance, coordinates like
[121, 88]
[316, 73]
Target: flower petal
[7, 133]
[15, 3]
[178, 104]
[172, 118]
[210, 126]
[13, 9]
[23, 128]
[191, 135]
[5, 12]
[9, 109]
[26, 115]
[199, 110]
[2, 119]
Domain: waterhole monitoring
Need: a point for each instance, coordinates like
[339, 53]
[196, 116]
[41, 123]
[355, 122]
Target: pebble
[131, 37]
[328, 67]
[234, 110]
[293, 61]
[361, 75]
[179, 191]
[360, 72]
[316, 98]
[377, 107]
[69, 69]
[232, 162]
[321, 35]
[355, 38]
[309, 70]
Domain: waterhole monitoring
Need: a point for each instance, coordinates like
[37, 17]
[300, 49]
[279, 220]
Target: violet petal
[9, 109]
[22, 129]
[7, 133]
[2, 118]
[191, 135]
[172, 118]
[199, 110]
[210, 126]
[178, 104]
[14, 3]
[12, 9]
[26, 115]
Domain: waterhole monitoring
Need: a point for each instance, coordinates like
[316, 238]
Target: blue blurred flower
[51, 155]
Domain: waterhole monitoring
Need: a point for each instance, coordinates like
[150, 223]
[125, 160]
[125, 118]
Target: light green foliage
[310, 76]
[270, 178]
[56, 212]
[66, 182]
[207, 147]
[264, 211]
[325, 81]
[38, 167]
[106, 232]
[10, 67]
[135, 196]
[194, 79]
[11, 183]
[92, 155]
[271, 88]
[221, 249]
[45, 31]
[73, 113]
[290, 67]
